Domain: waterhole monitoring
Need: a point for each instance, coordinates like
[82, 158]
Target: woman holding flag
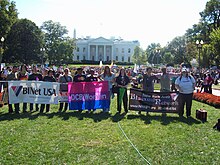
[122, 82]
[110, 77]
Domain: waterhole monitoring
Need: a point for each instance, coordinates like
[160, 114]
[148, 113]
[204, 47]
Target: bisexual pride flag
[88, 95]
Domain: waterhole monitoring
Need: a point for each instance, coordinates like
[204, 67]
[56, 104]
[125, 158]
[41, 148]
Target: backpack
[190, 77]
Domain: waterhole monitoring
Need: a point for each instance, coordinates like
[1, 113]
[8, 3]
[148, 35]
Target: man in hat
[185, 83]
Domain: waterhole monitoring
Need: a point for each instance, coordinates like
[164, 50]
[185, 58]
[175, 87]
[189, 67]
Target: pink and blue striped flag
[88, 95]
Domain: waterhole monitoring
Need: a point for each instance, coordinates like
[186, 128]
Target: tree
[177, 47]
[23, 43]
[58, 47]
[8, 16]
[167, 58]
[138, 56]
[211, 14]
[151, 52]
[215, 44]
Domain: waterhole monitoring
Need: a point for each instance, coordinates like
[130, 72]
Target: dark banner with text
[165, 102]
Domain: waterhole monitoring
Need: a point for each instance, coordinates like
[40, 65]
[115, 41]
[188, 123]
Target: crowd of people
[182, 80]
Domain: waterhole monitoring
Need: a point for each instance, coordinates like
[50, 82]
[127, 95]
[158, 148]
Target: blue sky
[149, 21]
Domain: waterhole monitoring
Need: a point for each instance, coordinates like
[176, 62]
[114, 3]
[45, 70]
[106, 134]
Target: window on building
[84, 57]
[122, 59]
[93, 58]
[77, 49]
[107, 58]
[93, 49]
[116, 50]
[107, 50]
[129, 50]
[78, 58]
[116, 58]
[129, 59]
[123, 50]
[84, 49]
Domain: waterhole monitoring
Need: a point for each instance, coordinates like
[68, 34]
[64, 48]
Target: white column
[111, 57]
[96, 53]
[104, 52]
[88, 52]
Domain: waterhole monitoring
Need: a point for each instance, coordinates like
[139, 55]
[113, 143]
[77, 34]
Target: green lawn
[216, 86]
[84, 138]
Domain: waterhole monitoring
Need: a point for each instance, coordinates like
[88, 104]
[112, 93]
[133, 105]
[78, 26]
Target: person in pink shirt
[209, 81]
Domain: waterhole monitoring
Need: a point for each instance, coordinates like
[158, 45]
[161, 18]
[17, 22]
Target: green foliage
[8, 16]
[215, 44]
[23, 42]
[211, 14]
[59, 48]
[151, 52]
[167, 58]
[139, 57]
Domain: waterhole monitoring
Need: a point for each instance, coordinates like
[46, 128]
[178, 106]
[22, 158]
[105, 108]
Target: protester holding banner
[23, 76]
[110, 77]
[164, 81]
[48, 78]
[79, 76]
[148, 84]
[63, 80]
[35, 76]
[122, 82]
[13, 77]
[2, 79]
[91, 78]
[185, 83]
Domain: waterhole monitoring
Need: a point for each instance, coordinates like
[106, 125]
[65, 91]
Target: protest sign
[88, 95]
[165, 102]
[33, 92]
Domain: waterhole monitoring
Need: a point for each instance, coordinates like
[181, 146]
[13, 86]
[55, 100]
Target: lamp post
[157, 53]
[199, 47]
[1, 50]
[42, 57]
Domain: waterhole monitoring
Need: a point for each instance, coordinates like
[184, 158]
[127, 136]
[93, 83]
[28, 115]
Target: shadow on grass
[99, 116]
[96, 116]
[118, 117]
[164, 119]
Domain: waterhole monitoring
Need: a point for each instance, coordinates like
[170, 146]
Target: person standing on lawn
[48, 78]
[122, 82]
[90, 78]
[185, 83]
[63, 80]
[165, 81]
[35, 76]
[148, 84]
[23, 76]
[110, 77]
[13, 77]
[210, 81]
[148, 81]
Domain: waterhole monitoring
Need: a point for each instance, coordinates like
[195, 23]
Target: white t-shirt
[186, 84]
[109, 79]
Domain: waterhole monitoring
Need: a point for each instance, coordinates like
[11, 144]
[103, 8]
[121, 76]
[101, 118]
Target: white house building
[102, 49]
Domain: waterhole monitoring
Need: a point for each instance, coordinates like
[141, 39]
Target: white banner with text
[33, 92]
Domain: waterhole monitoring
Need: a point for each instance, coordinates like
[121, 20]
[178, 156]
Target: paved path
[216, 92]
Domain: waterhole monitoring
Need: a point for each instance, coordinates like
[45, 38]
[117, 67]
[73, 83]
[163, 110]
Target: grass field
[97, 138]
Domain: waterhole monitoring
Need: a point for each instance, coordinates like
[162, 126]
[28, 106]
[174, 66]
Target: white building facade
[102, 49]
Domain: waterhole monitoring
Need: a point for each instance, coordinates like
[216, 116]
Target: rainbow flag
[88, 95]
